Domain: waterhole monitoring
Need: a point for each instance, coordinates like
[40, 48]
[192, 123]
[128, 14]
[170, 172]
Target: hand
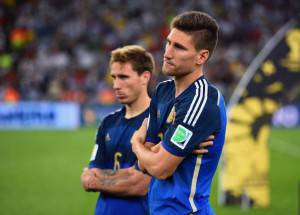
[139, 135]
[85, 177]
[202, 147]
[88, 179]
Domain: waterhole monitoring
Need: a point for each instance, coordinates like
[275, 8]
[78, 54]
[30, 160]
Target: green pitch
[40, 170]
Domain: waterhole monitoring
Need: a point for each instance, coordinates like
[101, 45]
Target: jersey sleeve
[192, 126]
[97, 159]
[152, 128]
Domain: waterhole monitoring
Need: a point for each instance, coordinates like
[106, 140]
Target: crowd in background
[59, 50]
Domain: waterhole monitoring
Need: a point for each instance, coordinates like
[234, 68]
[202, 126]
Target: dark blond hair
[203, 28]
[140, 59]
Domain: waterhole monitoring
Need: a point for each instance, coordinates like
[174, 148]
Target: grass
[40, 170]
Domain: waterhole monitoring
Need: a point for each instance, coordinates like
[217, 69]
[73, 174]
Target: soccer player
[185, 110]
[123, 188]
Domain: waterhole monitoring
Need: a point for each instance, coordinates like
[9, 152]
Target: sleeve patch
[94, 153]
[181, 136]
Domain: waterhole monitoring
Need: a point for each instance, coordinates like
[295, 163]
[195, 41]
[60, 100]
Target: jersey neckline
[187, 89]
[132, 118]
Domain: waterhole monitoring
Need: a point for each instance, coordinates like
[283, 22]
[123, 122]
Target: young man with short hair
[185, 110]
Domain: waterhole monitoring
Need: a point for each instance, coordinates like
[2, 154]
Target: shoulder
[112, 117]
[165, 85]
[202, 92]
[201, 102]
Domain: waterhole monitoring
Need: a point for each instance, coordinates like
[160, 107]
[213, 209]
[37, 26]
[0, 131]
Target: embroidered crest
[172, 115]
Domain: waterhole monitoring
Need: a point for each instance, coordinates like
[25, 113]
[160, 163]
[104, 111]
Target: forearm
[156, 160]
[147, 157]
[124, 182]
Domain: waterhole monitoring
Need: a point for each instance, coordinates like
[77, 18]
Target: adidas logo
[107, 137]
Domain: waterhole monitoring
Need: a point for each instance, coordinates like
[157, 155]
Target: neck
[183, 82]
[138, 106]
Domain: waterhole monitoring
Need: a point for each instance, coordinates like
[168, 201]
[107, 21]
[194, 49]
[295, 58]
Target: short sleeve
[97, 159]
[152, 128]
[190, 128]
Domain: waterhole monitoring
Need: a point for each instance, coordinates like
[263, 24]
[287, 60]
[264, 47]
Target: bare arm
[124, 182]
[156, 160]
[158, 163]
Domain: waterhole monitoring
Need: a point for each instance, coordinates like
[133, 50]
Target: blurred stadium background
[54, 56]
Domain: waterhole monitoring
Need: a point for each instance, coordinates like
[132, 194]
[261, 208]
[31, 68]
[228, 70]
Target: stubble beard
[169, 72]
[175, 72]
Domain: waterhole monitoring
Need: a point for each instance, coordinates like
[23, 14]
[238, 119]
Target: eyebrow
[119, 75]
[178, 45]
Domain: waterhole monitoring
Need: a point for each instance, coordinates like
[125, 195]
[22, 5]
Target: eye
[123, 77]
[179, 46]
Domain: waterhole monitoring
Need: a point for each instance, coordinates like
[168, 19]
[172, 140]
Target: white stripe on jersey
[168, 80]
[218, 103]
[193, 102]
[148, 122]
[199, 100]
[205, 91]
[194, 183]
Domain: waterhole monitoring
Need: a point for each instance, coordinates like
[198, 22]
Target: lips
[120, 95]
[169, 63]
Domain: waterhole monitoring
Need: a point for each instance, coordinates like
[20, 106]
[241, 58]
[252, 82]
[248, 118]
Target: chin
[125, 102]
[168, 72]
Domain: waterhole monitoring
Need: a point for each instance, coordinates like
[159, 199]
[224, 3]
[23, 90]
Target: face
[180, 57]
[127, 84]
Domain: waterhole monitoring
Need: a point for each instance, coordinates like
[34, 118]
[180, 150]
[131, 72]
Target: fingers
[88, 180]
[200, 151]
[84, 173]
[145, 123]
[85, 181]
[143, 129]
[149, 145]
[155, 148]
[210, 137]
[134, 140]
[139, 136]
[206, 144]
[202, 147]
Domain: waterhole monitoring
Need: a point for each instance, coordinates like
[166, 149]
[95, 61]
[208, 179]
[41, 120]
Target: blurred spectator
[58, 50]
[11, 95]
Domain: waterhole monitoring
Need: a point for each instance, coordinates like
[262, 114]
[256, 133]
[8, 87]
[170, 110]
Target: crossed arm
[157, 161]
[131, 182]
[123, 182]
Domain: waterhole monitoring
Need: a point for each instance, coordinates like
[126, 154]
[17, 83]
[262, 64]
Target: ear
[202, 56]
[146, 76]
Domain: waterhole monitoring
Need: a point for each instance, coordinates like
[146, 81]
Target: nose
[168, 52]
[116, 84]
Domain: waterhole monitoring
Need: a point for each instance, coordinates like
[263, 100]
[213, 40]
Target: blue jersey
[113, 151]
[181, 124]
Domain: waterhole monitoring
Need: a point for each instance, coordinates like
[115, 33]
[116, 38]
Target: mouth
[120, 96]
[168, 63]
